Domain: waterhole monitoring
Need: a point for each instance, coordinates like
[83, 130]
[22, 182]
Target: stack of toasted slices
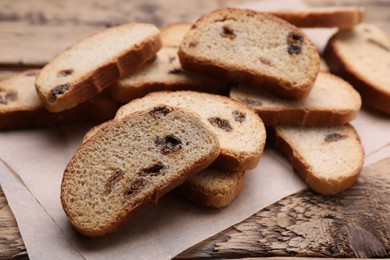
[200, 144]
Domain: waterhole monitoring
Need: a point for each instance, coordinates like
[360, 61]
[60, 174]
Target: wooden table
[353, 224]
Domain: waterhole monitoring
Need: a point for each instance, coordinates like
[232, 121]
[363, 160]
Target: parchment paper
[31, 168]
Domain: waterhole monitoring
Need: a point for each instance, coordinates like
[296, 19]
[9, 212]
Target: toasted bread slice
[328, 159]
[130, 163]
[250, 47]
[85, 69]
[341, 17]
[361, 56]
[332, 101]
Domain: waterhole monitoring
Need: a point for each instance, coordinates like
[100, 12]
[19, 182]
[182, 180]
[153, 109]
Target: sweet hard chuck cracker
[86, 68]
[130, 163]
[259, 49]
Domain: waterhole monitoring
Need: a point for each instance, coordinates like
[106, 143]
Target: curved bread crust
[213, 188]
[88, 67]
[328, 159]
[332, 101]
[163, 72]
[130, 163]
[21, 107]
[254, 48]
[368, 73]
[240, 131]
[341, 17]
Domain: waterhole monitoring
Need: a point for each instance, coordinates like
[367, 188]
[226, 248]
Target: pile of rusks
[195, 101]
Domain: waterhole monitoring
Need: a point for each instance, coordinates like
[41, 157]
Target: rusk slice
[240, 131]
[210, 187]
[341, 17]
[362, 56]
[255, 48]
[88, 67]
[164, 71]
[213, 188]
[328, 159]
[332, 101]
[130, 163]
[20, 105]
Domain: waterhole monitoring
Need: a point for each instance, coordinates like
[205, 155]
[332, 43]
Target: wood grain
[11, 243]
[355, 223]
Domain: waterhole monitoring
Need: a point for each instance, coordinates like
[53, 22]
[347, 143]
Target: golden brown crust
[323, 17]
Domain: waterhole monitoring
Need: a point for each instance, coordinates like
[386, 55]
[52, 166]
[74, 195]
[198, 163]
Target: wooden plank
[11, 243]
[32, 32]
[355, 223]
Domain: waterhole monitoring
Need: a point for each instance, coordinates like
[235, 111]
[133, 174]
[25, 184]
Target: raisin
[265, 61]
[7, 96]
[294, 42]
[176, 71]
[221, 123]
[379, 44]
[172, 59]
[112, 180]
[134, 186]
[168, 144]
[239, 116]
[227, 32]
[159, 111]
[192, 44]
[64, 73]
[334, 137]
[152, 170]
[58, 90]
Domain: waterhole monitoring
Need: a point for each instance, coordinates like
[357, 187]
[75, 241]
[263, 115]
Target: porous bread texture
[361, 56]
[172, 34]
[341, 17]
[21, 107]
[163, 72]
[130, 163]
[332, 101]
[250, 47]
[85, 69]
[240, 131]
[213, 188]
[328, 159]
[210, 187]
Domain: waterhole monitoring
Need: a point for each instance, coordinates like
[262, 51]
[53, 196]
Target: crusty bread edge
[124, 217]
[328, 17]
[103, 77]
[211, 198]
